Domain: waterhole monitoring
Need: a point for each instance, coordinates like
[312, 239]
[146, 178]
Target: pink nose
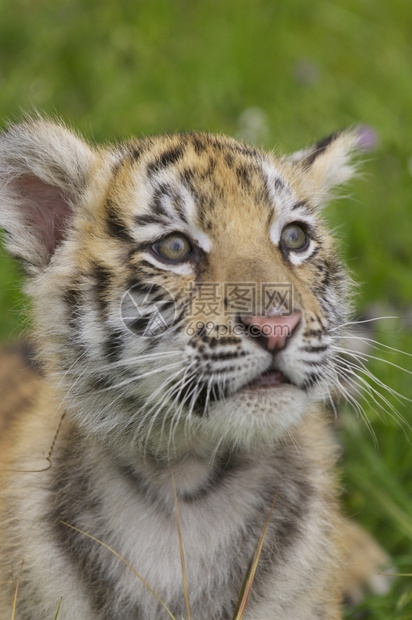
[272, 330]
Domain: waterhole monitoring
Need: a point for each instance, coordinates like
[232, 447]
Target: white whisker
[138, 359]
[357, 380]
[376, 344]
[164, 397]
[360, 322]
[138, 376]
[358, 365]
[367, 356]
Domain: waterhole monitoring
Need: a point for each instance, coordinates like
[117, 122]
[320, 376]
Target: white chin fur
[256, 416]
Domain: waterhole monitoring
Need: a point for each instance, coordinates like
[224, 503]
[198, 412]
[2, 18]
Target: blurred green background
[281, 74]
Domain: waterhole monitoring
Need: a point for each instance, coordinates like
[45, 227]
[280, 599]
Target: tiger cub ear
[43, 170]
[328, 163]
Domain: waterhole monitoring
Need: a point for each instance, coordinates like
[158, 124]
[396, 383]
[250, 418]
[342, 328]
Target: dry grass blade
[16, 592]
[126, 563]
[182, 554]
[396, 574]
[58, 609]
[48, 457]
[247, 588]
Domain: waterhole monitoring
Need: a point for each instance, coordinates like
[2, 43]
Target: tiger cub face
[185, 289]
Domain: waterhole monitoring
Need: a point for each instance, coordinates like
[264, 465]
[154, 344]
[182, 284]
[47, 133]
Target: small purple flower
[368, 138]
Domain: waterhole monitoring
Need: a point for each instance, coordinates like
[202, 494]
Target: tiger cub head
[186, 292]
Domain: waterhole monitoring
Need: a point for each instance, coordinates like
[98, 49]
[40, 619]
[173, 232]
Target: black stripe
[114, 345]
[310, 380]
[115, 226]
[136, 152]
[76, 502]
[223, 341]
[198, 143]
[243, 176]
[292, 495]
[72, 299]
[229, 159]
[102, 277]
[299, 205]
[135, 250]
[149, 269]
[234, 147]
[219, 356]
[320, 147]
[212, 163]
[146, 219]
[208, 393]
[167, 158]
[314, 333]
[156, 204]
[314, 253]
[225, 468]
[100, 383]
[312, 349]
[279, 185]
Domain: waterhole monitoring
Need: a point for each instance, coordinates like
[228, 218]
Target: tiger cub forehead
[59, 193]
[207, 186]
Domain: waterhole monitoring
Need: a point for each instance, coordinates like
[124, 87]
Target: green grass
[117, 68]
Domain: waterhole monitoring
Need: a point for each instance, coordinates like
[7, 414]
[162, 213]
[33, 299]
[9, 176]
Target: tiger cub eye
[175, 247]
[294, 238]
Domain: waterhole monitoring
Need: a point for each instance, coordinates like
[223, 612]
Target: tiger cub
[186, 300]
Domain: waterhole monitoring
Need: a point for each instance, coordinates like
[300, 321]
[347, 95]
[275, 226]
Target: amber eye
[174, 248]
[294, 238]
